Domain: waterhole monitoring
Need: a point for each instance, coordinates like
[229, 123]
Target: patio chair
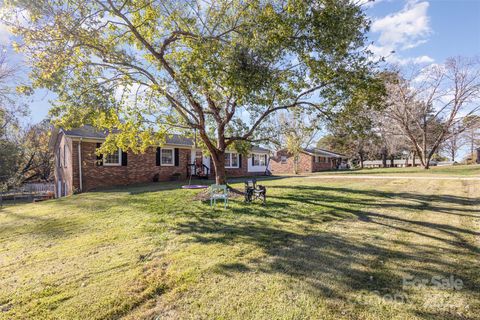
[218, 192]
[252, 191]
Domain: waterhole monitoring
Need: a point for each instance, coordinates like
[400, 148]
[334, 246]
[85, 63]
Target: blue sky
[425, 31]
[418, 31]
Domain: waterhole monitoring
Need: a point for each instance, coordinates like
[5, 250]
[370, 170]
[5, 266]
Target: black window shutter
[253, 160]
[176, 157]
[157, 163]
[99, 161]
[239, 160]
[265, 159]
[124, 158]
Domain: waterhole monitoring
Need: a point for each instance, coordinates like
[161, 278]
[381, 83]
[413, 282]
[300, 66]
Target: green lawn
[457, 170]
[330, 249]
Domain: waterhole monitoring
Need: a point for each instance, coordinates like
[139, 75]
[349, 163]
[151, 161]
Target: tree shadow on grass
[425, 199]
[332, 265]
[338, 264]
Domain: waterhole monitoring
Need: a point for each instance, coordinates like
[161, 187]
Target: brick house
[77, 168]
[310, 160]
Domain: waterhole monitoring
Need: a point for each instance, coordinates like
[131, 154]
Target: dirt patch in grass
[205, 195]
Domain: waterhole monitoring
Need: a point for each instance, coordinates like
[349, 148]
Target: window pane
[167, 156]
[283, 159]
[112, 158]
[234, 159]
[258, 160]
[227, 160]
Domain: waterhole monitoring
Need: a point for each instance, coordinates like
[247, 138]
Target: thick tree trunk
[218, 159]
[360, 154]
[296, 160]
[384, 157]
[425, 159]
[413, 158]
[392, 161]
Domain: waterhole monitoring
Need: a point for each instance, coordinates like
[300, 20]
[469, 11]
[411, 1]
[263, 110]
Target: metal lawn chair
[254, 191]
[218, 192]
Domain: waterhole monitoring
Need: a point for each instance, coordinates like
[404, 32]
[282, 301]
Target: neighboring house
[310, 160]
[78, 168]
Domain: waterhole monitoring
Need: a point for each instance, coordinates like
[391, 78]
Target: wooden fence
[28, 192]
[38, 187]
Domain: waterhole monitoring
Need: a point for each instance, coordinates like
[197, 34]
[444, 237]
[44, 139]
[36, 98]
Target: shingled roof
[323, 152]
[89, 132]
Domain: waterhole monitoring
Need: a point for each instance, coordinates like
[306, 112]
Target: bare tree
[456, 141]
[472, 133]
[426, 106]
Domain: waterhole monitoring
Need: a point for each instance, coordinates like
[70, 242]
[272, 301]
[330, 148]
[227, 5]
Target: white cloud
[391, 56]
[423, 59]
[403, 30]
[368, 3]
[396, 59]
[406, 28]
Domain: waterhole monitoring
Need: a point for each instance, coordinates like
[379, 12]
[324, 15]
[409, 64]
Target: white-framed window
[320, 159]
[259, 160]
[113, 159]
[231, 160]
[166, 157]
[283, 159]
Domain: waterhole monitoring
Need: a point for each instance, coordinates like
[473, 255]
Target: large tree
[430, 106]
[220, 67]
[457, 140]
[11, 112]
[352, 136]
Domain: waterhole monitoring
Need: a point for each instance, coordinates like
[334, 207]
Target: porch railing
[198, 170]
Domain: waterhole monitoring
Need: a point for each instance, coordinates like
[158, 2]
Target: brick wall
[140, 168]
[63, 166]
[305, 163]
[322, 165]
[232, 172]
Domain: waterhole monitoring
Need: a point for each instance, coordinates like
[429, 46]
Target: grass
[457, 170]
[325, 249]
